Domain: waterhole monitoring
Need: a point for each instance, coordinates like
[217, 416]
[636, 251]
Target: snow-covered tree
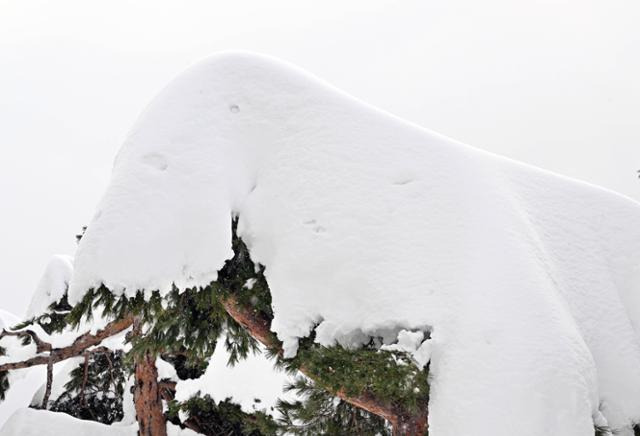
[339, 389]
[397, 274]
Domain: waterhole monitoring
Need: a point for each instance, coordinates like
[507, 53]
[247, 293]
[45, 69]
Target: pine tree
[364, 391]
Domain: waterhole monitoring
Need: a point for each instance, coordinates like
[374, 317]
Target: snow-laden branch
[79, 345]
[402, 421]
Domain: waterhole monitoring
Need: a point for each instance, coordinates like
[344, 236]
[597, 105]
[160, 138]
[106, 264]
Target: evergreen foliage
[185, 368]
[389, 375]
[55, 319]
[4, 377]
[190, 322]
[322, 414]
[244, 280]
[99, 396]
[4, 383]
[223, 418]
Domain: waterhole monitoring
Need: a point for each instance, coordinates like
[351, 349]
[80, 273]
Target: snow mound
[52, 285]
[31, 422]
[528, 282]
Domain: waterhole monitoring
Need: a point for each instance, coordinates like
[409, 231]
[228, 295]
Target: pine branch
[79, 345]
[260, 328]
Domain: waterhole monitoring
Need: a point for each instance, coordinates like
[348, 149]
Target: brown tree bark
[147, 399]
[79, 345]
[402, 422]
[47, 391]
[85, 379]
[410, 425]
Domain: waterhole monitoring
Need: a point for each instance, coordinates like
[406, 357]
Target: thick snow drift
[52, 285]
[30, 422]
[367, 225]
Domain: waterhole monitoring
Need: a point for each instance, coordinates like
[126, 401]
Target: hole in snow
[156, 161]
[234, 108]
[401, 182]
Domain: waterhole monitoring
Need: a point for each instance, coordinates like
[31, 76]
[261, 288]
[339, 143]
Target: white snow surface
[528, 281]
[31, 422]
[413, 343]
[251, 379]
[61, 376]
[8, 320]
[52, 285]
[23, 383]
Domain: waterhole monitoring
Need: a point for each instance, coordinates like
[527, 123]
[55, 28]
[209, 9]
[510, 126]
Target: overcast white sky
[555, 83]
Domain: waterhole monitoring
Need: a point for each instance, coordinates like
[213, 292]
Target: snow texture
[52, 285]
[413, 343]
[253, 383]
[23, 383]
[31, 422]
[526, 280]
[8, 320]
[61, 376]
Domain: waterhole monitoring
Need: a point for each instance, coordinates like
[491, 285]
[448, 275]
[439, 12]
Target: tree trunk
[47, 391]
[146, 396]
[409, 425]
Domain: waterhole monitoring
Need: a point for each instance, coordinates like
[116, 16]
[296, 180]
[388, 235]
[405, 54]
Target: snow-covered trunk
[146, 397]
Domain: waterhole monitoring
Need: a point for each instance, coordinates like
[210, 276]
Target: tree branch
[41, 345]
[85, 378]
[79, 345]
[260, 328]
[47, 392]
